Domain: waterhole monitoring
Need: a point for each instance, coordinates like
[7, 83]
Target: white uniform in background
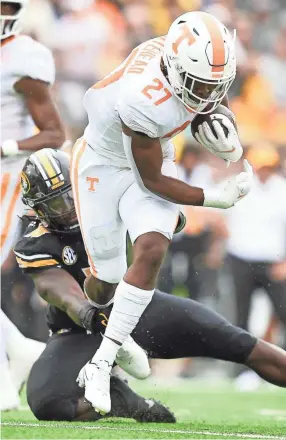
[22, 353]
[21, 57]
[138, 94]
[257, 225]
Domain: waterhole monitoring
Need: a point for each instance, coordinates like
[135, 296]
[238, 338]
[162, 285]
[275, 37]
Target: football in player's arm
[52, 252]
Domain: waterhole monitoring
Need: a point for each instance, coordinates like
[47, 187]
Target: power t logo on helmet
[11, 14]
[199, 56]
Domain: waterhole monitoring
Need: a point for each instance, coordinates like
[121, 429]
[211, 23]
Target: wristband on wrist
[10, 147]
[212, 199]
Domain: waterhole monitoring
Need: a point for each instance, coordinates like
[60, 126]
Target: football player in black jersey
[52, 252]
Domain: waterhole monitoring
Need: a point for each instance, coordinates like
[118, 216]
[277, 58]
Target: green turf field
[203, 410]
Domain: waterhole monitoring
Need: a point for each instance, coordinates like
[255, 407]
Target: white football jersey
[138, 94]
[21, 57]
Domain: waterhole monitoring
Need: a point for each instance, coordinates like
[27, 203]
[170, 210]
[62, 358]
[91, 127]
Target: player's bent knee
[150, 249]
[99, 291]
[60, 409]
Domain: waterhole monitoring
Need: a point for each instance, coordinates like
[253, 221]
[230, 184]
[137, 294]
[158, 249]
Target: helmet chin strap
[72, 229]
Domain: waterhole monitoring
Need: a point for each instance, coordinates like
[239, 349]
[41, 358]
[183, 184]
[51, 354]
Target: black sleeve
[37, 249]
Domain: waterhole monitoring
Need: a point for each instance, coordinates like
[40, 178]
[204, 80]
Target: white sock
[3, 350]
[129, 305]
[106, 353]
[19, 348]
[8, 391]
[12, 336]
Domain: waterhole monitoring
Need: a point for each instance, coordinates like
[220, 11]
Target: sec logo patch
[69, 256]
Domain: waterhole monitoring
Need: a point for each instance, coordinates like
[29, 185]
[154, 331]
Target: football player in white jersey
[124, 176]
[27, 71]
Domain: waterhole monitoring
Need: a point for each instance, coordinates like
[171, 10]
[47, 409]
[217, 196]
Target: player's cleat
[153, 411]
[126, 403]
[9, 394]
[95, 378]
[133, 359]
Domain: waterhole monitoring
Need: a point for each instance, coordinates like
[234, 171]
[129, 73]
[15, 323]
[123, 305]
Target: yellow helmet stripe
[47, 165]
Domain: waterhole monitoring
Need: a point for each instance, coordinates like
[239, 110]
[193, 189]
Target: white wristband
[213, 199]
[10, 147]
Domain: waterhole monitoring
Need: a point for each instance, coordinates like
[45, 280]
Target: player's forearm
[62, 291]
[70, 302]
[77, 308]
[175, 190]
[45, 139]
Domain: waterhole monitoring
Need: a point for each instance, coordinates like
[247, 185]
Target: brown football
[220, 110]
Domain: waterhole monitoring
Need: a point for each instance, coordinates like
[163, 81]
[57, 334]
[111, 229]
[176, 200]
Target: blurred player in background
[257, 243]
[124, 168]
[27, 72]
[17, 355]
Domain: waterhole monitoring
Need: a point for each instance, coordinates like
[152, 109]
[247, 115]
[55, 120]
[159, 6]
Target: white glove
[244, 180]
[10, 147]
[226, 147]
[234, 190]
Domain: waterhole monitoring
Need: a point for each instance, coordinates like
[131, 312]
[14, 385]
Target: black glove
[93, 319]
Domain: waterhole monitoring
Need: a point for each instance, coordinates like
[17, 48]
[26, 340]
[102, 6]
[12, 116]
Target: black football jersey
[39, 249]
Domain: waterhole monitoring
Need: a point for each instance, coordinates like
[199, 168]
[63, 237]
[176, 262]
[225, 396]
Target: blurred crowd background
[235, 261]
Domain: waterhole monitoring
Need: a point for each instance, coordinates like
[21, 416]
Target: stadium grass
[203, 411]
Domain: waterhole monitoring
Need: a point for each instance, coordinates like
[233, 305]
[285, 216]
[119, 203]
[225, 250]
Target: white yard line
[161, 431]
[272, 412]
